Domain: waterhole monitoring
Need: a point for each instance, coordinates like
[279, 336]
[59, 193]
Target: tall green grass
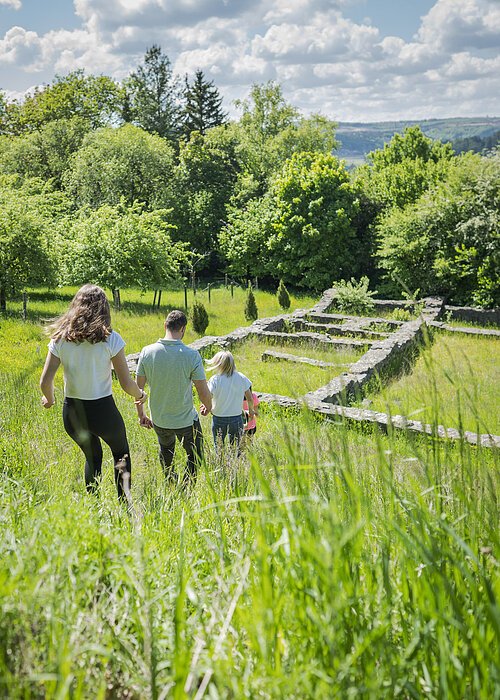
[455, 382]
[326, 562]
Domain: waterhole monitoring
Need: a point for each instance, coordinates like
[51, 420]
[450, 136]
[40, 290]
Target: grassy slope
[455, 381]
[329, 562]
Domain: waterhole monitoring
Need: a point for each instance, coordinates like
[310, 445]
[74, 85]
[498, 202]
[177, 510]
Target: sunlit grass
[327, 562]
[455, 382]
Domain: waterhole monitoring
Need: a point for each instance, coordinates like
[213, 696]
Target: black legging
[86, 421]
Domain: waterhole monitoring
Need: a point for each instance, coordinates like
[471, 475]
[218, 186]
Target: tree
[251, 311]
[29, 211]
[125, 163]
[312, 238]
[243, 240]
[154, 95]
[203, 105]
[203, 182]
[406, 167]
[447, 242]
[199, 318]
[120, 246]
[283, 296]
[44, 153]
[96, 99]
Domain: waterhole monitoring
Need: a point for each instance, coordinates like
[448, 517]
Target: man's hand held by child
[203, 410]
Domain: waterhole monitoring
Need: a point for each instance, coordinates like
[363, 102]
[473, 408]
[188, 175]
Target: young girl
[227, 387]
[250, 425]
[83, 341]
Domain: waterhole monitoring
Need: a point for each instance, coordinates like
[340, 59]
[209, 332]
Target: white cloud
[21, 47]
[324, 60]
[15, 4]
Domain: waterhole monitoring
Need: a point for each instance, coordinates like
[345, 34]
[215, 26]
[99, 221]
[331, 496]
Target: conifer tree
[203, 108]
[154, 95]
[199, 318]
[251, 311]
[283, 296]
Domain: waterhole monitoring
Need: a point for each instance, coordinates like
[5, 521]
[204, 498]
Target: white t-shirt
[87, 366]
[228, 393]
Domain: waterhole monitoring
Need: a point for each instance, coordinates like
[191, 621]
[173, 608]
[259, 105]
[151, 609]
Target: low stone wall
[358, 321]
[382, 361]
[485, 332]
[384, 421]
[273, 356]
[474, 315]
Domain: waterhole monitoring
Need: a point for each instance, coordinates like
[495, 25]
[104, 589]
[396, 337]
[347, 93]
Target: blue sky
[352, 60]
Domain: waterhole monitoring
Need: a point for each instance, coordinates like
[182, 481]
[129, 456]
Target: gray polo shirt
[170, 367]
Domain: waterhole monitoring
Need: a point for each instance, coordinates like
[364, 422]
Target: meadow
[327, 562]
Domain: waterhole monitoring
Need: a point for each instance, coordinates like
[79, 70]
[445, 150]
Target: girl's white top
[87, 366]
[228, 393]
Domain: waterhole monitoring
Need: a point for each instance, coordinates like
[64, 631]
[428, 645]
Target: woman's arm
[47, 379]
[126, 382]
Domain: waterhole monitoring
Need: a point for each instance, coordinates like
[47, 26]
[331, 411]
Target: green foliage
[44, 153]
[28, 213]
[400, 315]
[95, 99]
[199, 318]
[283, 296]
[270, 130]
[354, 296]
[312, 237]
[447, 242]
[153, 95]
[121, 164]
[251, 311]
[119, 247]
[203, 105]
[203, 183]
[243, 240]
[406, 167]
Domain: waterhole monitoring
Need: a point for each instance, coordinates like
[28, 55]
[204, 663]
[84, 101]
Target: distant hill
[359, 138]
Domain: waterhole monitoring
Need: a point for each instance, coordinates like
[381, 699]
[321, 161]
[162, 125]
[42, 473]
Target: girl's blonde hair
[88, 318]
[222, 362]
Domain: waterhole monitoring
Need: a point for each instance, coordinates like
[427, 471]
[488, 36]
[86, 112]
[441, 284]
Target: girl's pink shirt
[251, 423]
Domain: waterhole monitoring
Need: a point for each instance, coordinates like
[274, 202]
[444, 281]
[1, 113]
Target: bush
[283, 296]
[251, 311]
[199, 318]
[354, 297]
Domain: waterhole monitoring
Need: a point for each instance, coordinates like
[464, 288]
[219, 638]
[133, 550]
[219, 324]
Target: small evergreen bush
[199, 318]
[251, 311]
[283, 296]
[354, 297]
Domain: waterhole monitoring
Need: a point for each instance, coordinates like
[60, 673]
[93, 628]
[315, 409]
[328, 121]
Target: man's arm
[204, 394]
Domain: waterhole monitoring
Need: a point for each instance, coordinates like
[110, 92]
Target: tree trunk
[116, 299]
[3, 299]
[159, 298]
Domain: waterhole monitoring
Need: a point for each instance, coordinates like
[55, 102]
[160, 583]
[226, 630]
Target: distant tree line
[477, 144]
[139, 182]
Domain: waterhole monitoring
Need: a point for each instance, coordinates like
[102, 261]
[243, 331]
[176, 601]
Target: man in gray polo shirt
[171, 368]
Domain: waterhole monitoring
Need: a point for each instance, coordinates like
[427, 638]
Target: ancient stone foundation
[390, 347]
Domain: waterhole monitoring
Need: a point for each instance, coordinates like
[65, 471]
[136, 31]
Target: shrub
[354, 297]
[199, 318]
[251, 311]
[283, 296]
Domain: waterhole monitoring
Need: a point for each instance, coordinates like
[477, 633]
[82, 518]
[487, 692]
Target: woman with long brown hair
[84, 343]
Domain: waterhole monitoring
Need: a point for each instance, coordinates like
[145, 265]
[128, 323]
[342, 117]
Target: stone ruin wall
[387, 352]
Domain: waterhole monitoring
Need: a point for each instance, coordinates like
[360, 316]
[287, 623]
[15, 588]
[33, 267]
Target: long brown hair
[88, 317]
